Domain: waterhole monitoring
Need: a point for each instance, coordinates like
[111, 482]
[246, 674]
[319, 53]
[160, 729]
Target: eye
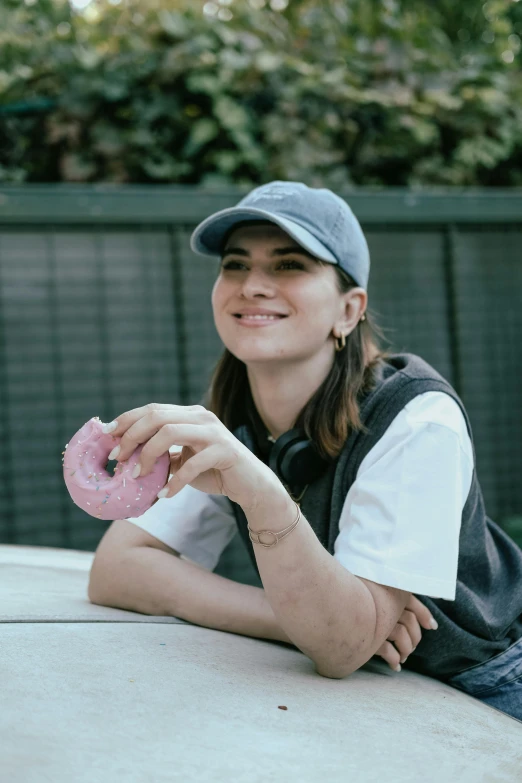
[292, 264]
[235, 265]
[231, 265]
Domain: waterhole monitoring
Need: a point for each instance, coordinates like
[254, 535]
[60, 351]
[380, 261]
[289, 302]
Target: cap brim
[207, 238]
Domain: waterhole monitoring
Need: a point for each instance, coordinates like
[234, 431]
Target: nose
[257, 283]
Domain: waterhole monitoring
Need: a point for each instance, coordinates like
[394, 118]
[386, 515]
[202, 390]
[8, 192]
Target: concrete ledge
[96, 694]
[46, 557]
[140, 703]
[46, 585]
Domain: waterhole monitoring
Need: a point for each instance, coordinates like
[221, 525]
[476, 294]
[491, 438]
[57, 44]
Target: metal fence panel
[89, 328]
[407, 291]
[202, 343]
[488, 281]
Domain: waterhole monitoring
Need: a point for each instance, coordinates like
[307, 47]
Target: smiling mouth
[259, 317]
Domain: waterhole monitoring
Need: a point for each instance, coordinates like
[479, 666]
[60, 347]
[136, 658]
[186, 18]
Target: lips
[267, 317]
[252, 312]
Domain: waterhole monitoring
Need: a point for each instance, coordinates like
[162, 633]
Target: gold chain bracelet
[277, 536]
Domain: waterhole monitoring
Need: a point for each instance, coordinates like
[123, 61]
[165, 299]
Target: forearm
[326, 611]
[150, 581]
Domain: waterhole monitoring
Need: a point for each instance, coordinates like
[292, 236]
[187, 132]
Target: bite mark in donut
[98, 493]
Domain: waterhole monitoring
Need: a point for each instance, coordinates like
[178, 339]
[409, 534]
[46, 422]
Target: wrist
[273, 508]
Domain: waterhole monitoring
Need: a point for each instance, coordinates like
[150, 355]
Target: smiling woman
[311, 291]
[349, 472]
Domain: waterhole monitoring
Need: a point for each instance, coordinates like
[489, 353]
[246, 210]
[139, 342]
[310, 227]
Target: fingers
[119, 426]
[191, 469]
[402, 641]
[180, 434]
[390, 655]
[134, 427]
[422, 613]
[407, 633]
[141, 424]
[412, 627]
[144, 429]
[398, 652]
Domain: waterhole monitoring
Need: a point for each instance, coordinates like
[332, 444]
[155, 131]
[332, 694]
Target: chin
[258, 357]
[254, 353]
[273, 354]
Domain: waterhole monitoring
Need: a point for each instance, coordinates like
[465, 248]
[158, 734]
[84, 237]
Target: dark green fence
[103, 307]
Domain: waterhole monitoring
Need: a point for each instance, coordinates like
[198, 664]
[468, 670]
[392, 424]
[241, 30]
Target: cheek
[319, 307]
[218, 297]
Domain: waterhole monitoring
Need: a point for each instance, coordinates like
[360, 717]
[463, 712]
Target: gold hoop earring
[340, 342]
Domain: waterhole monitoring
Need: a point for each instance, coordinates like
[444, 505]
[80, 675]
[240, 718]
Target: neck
[281, 392]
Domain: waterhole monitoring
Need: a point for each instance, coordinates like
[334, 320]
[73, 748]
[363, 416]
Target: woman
[349, 472]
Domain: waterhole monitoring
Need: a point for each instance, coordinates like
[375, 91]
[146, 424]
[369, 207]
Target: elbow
[107, 575]
[342, 660]
[335, 667]
[331, 672]
[334, 671]
[97, 591]
[93, 593]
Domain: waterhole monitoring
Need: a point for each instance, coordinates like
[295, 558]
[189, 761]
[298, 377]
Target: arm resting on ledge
[337, 619]
[133, 570]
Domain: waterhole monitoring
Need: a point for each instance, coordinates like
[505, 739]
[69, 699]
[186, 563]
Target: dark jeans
[497, 682]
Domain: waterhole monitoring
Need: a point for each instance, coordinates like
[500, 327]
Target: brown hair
[333, 410]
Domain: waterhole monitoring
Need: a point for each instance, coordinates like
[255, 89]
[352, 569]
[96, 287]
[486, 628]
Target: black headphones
[295, 459]
[293, 456]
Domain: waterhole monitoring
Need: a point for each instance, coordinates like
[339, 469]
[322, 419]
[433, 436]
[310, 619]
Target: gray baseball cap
[315, 218]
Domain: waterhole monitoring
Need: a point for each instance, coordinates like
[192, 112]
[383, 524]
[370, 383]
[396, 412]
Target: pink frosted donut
[97, 492]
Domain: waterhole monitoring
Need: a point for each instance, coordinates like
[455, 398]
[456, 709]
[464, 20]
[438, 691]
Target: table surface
[92, 693]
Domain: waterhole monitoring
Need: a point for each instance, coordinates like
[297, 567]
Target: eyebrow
[278, 251]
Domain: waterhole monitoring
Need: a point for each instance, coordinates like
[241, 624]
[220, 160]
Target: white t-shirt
[401, 519]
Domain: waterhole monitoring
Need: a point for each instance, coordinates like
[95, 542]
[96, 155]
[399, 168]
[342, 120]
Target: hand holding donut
[211, 460]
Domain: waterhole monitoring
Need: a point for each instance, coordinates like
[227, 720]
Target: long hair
[333, 410]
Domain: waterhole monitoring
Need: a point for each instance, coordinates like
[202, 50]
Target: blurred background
[123, 123]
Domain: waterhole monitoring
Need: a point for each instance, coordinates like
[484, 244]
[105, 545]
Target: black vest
[486, 616]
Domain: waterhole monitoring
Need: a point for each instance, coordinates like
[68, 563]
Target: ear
[353, 306]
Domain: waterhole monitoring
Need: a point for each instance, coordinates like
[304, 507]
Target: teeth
[261, 317]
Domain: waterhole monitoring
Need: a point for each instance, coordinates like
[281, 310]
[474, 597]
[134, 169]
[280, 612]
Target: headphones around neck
[293, 457]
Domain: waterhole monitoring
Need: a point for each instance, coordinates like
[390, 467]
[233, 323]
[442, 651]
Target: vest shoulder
[410, 367]
[398, 379]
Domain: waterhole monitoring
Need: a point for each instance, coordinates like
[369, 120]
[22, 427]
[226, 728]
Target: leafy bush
[370, 92]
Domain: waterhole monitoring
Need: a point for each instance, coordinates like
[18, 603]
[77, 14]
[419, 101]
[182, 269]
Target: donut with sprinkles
[95, 490]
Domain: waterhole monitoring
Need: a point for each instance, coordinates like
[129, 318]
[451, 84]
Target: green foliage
[370, 92]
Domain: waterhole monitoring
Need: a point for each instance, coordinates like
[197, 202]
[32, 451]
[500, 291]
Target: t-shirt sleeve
[197, 525]
[401, 519]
